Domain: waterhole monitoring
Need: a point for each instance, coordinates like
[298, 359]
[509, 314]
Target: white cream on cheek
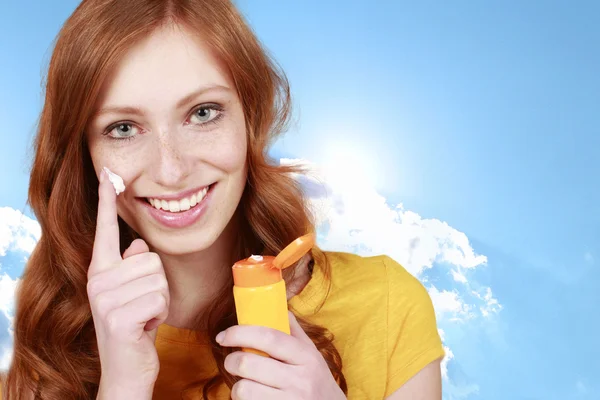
[116, 180]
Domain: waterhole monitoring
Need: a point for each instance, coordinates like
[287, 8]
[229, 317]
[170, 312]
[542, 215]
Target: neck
[196, 279]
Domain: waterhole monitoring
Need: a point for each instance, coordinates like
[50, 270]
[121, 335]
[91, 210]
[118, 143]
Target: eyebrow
[180, 104]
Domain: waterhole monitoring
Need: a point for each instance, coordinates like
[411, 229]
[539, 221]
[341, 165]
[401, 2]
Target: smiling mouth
[180, 205]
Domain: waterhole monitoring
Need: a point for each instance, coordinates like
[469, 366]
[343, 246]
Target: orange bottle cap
[257, 271]
[294, 251]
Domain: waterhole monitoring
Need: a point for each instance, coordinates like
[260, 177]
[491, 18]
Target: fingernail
[220, 337]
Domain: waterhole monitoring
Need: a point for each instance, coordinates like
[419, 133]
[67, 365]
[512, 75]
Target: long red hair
[55, 350]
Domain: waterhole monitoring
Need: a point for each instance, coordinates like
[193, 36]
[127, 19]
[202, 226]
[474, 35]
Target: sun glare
[350, 165]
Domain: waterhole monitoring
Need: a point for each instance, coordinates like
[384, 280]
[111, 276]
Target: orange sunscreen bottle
[259, 289]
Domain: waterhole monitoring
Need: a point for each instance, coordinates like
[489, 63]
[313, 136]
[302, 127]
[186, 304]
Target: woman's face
[170, 123]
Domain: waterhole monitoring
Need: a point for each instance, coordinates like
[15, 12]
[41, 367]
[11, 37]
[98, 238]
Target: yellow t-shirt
[382, 318]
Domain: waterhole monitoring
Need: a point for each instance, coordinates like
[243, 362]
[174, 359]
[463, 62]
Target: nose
[168, 166]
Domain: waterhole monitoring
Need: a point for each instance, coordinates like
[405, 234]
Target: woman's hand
[296, 371]
[129, 298]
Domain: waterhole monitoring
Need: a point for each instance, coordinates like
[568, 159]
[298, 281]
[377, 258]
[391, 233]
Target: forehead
[162, 68]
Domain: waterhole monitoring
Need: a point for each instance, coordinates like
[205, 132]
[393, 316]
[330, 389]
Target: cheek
[119, 162]
[229, 153]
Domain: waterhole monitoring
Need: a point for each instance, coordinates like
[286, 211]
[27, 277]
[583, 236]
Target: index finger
[275, 343]
[106, 243]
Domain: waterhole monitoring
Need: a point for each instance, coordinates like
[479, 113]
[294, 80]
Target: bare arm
[425, 385]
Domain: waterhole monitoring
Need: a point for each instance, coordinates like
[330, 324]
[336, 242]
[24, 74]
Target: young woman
[130, 296]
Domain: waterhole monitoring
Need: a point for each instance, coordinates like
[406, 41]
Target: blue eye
[122, 130]
[203, 114]
[207, 114]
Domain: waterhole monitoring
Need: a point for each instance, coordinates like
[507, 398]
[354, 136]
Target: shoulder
[405, 294]
[376, 283]
[348, 270]
[376, 286]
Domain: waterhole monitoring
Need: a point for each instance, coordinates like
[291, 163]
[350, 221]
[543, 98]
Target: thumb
[138, 246]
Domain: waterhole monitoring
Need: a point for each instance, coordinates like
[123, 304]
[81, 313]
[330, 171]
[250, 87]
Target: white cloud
[491, 304]
[7, 295]
[449, 355]
[458, 276]
[448, 303]
[444, 365]
[588, 257]
[5, 358]
[18, 232]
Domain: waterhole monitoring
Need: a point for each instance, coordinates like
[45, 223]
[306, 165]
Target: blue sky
[477, 117]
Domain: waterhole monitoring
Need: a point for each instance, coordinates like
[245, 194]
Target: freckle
[176, 154]
[109, 156]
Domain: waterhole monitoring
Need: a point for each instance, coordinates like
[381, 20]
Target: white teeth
[179, 205]
[201, 194]
[174, 206]
[184, 204]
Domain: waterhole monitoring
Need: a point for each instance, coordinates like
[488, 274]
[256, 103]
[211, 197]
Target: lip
[179, 219]
[177, 196]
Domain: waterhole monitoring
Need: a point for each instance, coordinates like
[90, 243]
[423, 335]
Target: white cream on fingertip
[116, 181]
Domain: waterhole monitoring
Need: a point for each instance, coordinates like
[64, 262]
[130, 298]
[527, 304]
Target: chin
[182, 245]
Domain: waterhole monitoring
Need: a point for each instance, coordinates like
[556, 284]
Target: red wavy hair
[55, 350]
